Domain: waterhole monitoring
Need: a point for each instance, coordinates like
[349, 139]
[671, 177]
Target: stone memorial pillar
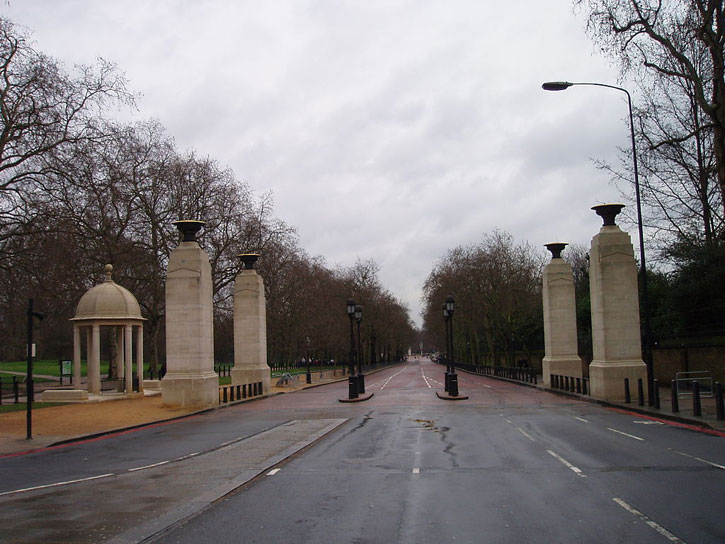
[560, 333]
[190, 380]
[250, 327]
[616, 339]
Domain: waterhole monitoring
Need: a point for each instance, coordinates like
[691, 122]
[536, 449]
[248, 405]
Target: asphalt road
[510, 464]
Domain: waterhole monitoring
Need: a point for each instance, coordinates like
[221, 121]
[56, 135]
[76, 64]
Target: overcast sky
[386, 129]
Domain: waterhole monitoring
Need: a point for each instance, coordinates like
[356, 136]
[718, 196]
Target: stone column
[139, 357]
[119, 362]
[76, 356]
[94, 361]
[616, 339]
[250, 327]
[128, 358]
[560, 333]
[190, 380]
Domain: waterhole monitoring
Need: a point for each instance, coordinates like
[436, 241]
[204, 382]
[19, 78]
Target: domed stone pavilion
[108, 305]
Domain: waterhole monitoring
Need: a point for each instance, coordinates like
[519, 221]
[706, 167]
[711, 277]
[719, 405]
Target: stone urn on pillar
[560, 333]
[190, 380]
[616, 339]
[250, 328]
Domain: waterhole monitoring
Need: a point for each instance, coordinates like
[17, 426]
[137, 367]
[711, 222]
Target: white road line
[721, 467]
[483, 384]
[581, 419]
[426, 379]
[567, 464]
[148, 466]
[416, 471]
[625, 434]
[391, 377]
[56, 484]
[273, 471]
[189, 456]
[527, 435]
[656, 526]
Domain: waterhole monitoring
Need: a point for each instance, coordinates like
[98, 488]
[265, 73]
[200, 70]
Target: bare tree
[42, 109]
[681, 46]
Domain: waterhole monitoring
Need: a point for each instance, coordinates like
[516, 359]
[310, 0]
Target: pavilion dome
[108, 300]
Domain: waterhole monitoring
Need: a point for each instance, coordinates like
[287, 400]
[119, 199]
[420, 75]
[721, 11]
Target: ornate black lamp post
[647, 336]
[453, 380]
[352, 379]
[360, 376]
[447, 354]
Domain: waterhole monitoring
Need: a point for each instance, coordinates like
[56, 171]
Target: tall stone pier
[616, 338]
[560, 333]
[190, 380]
[250, 328]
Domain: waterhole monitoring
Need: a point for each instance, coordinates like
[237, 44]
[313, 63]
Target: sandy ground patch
[57, 423]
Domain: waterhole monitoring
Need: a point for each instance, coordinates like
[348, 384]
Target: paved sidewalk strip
[133, 506]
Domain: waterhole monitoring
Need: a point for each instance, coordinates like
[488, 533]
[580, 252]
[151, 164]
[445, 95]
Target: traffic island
[446, 396]
[359, 398]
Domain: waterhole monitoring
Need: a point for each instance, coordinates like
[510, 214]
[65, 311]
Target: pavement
[685, 414]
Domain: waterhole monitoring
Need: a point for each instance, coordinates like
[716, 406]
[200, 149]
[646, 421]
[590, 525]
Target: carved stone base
[181, 390]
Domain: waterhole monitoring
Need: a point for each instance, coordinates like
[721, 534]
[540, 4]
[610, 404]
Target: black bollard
[627, 395]
[16, 389]
[656, 393]
[453, 391]
[352, 387]
[696, 406]
[584, 386]
[719, 407]
[640, 392]
[675, 397]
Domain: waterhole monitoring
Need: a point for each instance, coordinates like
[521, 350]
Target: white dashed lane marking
[567, 464]
[656, 526]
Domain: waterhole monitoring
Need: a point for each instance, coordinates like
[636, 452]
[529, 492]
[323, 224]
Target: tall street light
[360, 376]
[352, 379]
[646, 347]
[447, 353]
[453, 380]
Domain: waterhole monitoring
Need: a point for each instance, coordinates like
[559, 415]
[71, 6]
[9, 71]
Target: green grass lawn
[47, 367]
[8, 379]
[50, 367]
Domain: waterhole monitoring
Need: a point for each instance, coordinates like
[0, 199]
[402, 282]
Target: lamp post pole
[447, 352]
[646, 340]
[453, 380]
[352, 379]
[29, 383]
[360, 376]
[309, 362]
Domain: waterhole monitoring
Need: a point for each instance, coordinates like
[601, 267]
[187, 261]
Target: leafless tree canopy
[675, 52]
[78, 190]
[497, 287]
